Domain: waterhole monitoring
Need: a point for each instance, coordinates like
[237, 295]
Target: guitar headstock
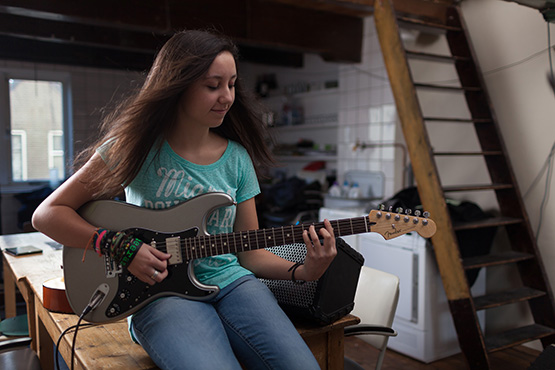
[391, 225]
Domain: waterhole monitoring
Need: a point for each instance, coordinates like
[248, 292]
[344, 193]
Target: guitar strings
[196, 247]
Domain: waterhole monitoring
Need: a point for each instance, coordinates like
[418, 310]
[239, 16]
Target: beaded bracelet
[292, 269]
[121, 246]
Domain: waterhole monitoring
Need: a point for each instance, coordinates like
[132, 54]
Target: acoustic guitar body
[54, 296]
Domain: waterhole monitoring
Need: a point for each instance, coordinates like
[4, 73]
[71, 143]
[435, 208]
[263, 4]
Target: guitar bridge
[112, 270]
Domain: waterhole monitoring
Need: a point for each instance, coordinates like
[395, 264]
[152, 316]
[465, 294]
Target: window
[19, 155]
[35, 110]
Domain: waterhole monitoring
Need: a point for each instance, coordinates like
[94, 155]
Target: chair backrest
[376, 301]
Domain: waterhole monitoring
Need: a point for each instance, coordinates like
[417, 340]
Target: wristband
[292, 269]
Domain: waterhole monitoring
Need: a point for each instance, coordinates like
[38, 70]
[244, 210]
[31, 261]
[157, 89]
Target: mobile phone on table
[23, 250]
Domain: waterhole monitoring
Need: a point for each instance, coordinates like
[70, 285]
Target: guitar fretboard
[242, 241]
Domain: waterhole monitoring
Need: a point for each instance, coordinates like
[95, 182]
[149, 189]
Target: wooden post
[429, 187]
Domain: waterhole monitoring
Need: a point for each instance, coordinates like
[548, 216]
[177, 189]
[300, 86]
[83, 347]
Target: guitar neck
[242, 241]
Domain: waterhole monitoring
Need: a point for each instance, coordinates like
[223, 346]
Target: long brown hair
[138, 122]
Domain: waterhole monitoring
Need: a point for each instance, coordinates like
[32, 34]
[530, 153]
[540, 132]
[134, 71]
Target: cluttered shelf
[316, 123]
[305, 150]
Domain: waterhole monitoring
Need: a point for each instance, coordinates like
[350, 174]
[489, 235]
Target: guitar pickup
[173, 247]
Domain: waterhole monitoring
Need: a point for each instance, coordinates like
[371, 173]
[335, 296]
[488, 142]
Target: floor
[517, 358]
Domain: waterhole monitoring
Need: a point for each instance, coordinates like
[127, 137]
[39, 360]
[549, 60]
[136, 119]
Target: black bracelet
[292, 269]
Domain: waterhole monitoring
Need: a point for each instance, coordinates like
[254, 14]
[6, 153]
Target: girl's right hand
[150, 265]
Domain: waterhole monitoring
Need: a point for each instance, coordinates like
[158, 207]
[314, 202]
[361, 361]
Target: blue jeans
[242, 324]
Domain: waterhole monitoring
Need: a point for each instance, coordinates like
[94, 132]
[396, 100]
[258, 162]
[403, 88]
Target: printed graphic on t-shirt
[174, 187]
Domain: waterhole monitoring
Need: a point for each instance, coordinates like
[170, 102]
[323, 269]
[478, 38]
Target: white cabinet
[423, 320]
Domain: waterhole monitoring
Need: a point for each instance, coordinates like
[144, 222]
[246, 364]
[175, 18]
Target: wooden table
[109, 345]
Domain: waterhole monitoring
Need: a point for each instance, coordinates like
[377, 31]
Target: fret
[222, 244]
[265, 243]
[351, 223]
[204, 247]
[213, 246]
[283, 235]
[248, 239]
[255, 232]
[190, 248]
[366, 224]
[338, 228]
[274, 236]
[185, 248]
[234, 242]
[241, 239]
[194, 247]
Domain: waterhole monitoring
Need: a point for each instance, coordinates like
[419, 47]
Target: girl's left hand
[318, 256]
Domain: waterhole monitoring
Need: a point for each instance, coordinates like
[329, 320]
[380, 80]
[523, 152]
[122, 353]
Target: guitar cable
[94, 302]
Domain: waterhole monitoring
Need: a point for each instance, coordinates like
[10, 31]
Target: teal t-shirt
[166, 179]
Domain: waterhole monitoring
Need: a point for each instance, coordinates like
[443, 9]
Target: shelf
[304, 94]
[306, 158]
[306, 126]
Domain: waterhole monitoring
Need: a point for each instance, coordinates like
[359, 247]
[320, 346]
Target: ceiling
[127, 33]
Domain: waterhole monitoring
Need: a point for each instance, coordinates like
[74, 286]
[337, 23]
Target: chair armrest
[369, 329]
[15, 343]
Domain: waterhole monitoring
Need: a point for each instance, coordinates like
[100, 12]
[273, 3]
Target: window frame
[6, 176]
[23, 135]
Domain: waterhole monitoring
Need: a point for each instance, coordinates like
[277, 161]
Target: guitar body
[125, 294]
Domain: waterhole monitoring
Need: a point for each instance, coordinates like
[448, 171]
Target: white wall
[504, 33]
[510, 43]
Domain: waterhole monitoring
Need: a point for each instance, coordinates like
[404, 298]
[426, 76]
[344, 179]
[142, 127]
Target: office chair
[15, 354]
[376, 301]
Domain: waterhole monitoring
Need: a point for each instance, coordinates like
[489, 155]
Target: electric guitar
[181, 232]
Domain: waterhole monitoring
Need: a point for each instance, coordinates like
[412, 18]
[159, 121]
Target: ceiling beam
[265, 30]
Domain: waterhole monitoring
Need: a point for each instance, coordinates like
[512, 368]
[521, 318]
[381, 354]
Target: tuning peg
[390, 209]
[417, 213]
[408, 211]
[381, 207]
[426, 214]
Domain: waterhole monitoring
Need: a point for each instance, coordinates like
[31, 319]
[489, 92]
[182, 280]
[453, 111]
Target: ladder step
[435, 57]
[488, 222]
[495, 259]
[506, 297]
[463, 120]
[517, 336]
[463, 154]
[427, 24]
[444, 87]
[454, 188]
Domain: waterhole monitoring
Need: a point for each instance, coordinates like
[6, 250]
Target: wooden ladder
[512, 216]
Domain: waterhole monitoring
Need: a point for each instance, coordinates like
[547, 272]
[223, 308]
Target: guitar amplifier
[324, 300]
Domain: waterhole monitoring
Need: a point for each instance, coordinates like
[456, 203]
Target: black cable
[60, 339]
[548, 176]
[94, 302]
[75, 340]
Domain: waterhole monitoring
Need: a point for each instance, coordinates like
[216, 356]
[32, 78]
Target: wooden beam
[130, 26]
[427, 9]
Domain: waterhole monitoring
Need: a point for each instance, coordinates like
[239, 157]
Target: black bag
[473, 242]
[327, 299]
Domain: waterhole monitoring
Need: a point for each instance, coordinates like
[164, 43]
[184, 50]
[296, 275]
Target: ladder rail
[513, 216]
[427, 178]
